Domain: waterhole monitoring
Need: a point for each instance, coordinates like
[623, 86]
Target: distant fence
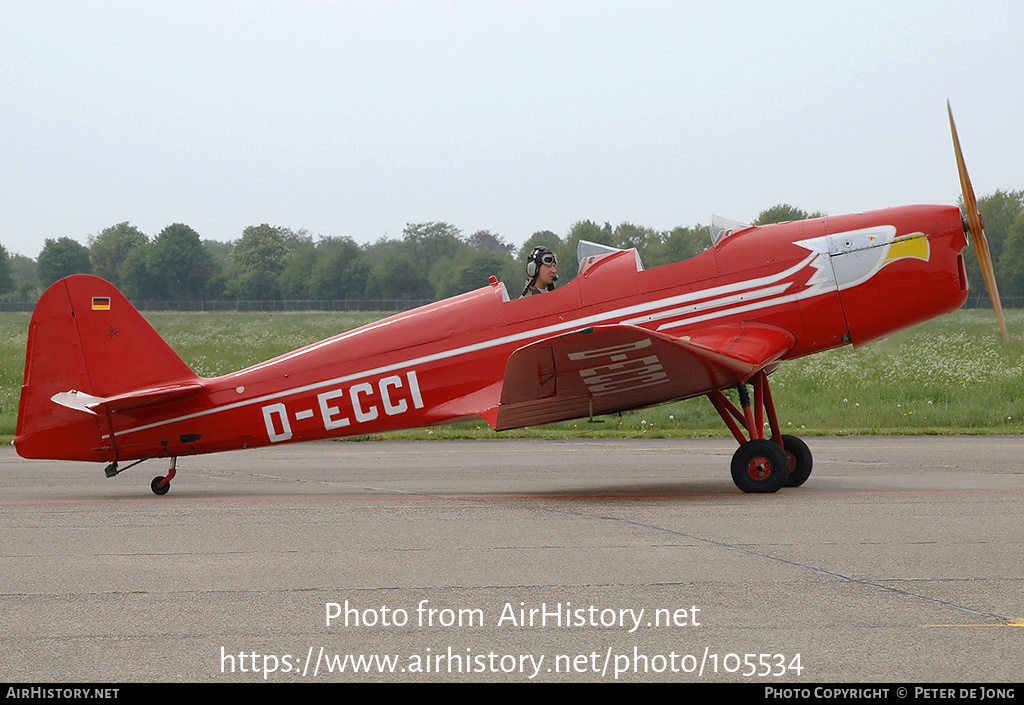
[343, 305]
[974, 301]
[983, 301]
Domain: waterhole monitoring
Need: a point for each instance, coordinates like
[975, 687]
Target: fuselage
[829, 281]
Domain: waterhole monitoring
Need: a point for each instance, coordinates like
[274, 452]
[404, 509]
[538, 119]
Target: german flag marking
[101, 303]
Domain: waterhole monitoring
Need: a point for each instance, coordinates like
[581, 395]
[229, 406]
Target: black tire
[155, 485]
[760, 466]
[800, 460]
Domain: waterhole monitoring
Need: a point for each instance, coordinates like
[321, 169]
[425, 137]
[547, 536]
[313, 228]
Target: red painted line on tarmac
[374, 498]
[463, 498]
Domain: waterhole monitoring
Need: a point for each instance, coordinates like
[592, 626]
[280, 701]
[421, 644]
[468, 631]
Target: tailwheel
[159, 485]
[761, 466]
[800, 460]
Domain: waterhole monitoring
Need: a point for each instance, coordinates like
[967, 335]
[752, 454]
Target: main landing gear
[760, 464]
[160, 485]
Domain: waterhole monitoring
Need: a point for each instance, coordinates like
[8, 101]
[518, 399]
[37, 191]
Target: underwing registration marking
[624, 373]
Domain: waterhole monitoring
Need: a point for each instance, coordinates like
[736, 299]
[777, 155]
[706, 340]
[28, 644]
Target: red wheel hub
[759, 468]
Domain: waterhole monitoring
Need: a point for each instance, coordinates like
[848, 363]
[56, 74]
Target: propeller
[977, 231]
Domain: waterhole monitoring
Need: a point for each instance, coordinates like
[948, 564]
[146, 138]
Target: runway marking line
[1011, 623]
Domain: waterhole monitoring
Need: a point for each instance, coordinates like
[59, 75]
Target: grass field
[953, 375]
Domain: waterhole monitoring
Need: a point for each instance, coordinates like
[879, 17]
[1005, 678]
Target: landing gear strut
[760, 464]
[113, 471]
[160, 485]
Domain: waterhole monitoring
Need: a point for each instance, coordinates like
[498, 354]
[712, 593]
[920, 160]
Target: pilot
[541, 268]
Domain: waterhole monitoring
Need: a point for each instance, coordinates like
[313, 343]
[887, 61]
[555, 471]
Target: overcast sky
[355, 118]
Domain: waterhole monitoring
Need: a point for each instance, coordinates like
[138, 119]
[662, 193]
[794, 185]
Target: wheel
[155, 485]
[760, 466]
[800, 460]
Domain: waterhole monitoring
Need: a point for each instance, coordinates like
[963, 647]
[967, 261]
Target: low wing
[603, 369]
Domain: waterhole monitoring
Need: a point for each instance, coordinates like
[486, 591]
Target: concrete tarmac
[899, 561]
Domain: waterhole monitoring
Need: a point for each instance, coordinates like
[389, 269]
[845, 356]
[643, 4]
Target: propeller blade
[975, 226]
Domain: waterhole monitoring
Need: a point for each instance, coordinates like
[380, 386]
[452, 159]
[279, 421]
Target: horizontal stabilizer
[129, 400]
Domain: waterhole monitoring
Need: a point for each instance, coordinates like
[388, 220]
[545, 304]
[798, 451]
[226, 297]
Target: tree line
[430, 261]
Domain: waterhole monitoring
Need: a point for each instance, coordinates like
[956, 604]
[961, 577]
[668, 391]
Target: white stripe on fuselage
[727, 293]
[706, 305]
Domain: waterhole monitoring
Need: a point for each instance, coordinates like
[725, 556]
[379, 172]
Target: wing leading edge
[603, 369]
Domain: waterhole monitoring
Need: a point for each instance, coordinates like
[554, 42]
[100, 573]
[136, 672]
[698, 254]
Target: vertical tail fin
[85, 336]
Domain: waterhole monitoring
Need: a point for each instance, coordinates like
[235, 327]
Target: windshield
[585, 248]
[721, 228]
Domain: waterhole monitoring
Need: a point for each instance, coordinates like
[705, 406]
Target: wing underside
[604, 369]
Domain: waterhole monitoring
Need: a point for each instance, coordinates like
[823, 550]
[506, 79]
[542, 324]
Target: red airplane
[101, 385]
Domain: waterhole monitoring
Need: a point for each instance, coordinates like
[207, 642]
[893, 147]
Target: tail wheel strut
[162, 484]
